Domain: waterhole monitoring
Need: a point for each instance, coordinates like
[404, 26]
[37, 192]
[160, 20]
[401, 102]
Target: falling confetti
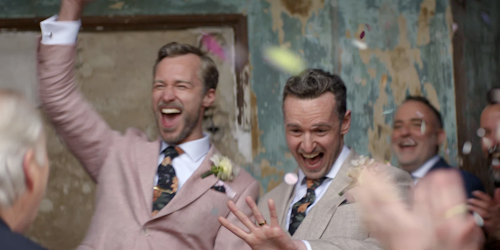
[388, 111]
[422, 127]
[481, 132]
[420, 115]
[362, 35]
[495, 162]
[485, 17]
[494, 96]
[291, 178]
[467, 148]
[454, 27]
[368, 27]
[213, 46]
[361, 45]
[478, 219]
[486, 143]
[284, 59]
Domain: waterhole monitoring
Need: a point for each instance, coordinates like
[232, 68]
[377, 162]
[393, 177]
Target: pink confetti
[213, 46]
[291, 178]
[368, 27]
[362, 35]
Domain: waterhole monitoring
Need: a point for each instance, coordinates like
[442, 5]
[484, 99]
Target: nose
[404, 131]
[308, 144]
[168, 94]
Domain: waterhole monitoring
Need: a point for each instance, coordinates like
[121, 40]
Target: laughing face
[314, 132]
[490, 122]
[416, 135]
[179, 99]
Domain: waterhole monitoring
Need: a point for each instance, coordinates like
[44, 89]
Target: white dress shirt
[185, 164]
[65, 33]
[422, 171]
[301, 186]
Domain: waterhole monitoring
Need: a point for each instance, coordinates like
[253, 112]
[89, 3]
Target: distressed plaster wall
[409, 51]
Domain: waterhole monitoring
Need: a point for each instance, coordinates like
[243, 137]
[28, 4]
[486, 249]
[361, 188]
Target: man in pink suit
[150, 195]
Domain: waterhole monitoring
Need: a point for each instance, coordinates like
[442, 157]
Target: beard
[190, 122]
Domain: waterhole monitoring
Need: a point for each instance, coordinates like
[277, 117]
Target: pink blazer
[124, 166]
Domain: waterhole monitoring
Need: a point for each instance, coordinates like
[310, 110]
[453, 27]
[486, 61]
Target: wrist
[71, 10]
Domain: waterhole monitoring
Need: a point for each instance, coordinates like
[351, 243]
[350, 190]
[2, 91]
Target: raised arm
[79, 125]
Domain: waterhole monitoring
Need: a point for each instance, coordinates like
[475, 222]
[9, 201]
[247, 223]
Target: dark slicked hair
[208, 71]
[426, 102]
[311, 83]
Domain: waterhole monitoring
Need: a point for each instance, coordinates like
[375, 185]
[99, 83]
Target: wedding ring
[456, 210]
[262, 223]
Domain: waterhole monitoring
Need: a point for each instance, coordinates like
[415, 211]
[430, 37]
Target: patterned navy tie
[166, 188]
[300, 207]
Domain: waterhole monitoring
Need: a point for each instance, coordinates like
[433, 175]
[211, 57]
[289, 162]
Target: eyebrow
[294, 125]
[176, 81]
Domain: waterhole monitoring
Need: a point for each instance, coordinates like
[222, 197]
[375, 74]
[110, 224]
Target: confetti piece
[481, 132]
[486, 143]
[454, 27]
[422, 127]
[213, 46]
[420, 115]
[467, 148]
[388, 111]
[357, 79]
[495, 162]
[494, 96]
[284, 59]
[478, 219]
[291, 178]
[359, 44]
[485, 17]
[368, 27]
[447, 151]
[362, 35]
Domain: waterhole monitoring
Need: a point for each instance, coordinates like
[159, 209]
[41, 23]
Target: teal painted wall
[409, 51]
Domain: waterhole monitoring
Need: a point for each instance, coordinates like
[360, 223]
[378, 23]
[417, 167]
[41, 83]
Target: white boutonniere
[360, 165]
[223, 169]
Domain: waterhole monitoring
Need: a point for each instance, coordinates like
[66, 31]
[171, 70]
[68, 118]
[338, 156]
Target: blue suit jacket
[13, 241]
[471, 182]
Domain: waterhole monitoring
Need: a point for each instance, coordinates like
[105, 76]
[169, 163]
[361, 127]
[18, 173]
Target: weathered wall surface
[409, 51]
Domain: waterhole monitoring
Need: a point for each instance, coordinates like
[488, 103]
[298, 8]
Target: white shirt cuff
[59, 32]
[308, 246]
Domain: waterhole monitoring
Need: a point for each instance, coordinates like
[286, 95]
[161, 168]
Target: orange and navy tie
[167, 185]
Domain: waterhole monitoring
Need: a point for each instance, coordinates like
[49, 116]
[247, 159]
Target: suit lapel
[283, 203]
[317, 219]
[147, 159]
[194, 187]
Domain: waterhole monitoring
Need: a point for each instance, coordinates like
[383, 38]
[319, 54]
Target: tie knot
[314, 183]
[173, 152]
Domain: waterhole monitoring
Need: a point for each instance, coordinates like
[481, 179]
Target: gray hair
[21, 129]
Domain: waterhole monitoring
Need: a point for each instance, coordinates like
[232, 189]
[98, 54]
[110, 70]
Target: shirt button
[145, 232]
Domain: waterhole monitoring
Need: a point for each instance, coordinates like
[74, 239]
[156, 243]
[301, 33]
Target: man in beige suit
[313, 213]
[150, 195]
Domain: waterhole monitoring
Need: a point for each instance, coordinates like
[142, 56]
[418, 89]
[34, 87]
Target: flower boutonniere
[360, 164]
[223, 169]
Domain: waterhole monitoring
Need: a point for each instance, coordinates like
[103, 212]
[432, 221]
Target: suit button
[145, 232]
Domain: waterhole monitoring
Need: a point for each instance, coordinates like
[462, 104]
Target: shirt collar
[193, 149]
[420, 172]
[335, 168]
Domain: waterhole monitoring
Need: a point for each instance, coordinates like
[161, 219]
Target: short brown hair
[208, 73]
[312, 83]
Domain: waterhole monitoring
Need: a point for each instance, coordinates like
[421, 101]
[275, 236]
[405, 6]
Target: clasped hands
[263, 236]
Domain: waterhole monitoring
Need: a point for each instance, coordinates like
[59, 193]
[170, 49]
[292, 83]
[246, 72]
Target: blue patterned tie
[167, 185]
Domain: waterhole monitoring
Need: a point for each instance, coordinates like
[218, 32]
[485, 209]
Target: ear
[441, 136]
[346, 123]
[209, 98]
[29, 169]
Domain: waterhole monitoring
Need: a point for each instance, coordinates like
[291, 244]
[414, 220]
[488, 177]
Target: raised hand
[489, 209]
[263, 236]
[71, 10]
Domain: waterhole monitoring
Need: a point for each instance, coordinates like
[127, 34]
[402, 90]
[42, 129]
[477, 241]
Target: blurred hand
[437, 220]
[71, 10]
[489, 209]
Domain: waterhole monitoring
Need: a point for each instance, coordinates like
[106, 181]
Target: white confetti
[388, 111]
[467, 148]
[481, 132]
[479, 220]
[486, 143]
[291, 178]
[422, 127]
[454, 26]
[46, 206]
[361, 45]
[495, 162]
[420, 115]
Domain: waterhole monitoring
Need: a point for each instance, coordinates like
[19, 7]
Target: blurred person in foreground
[483, 204]
[24, 170]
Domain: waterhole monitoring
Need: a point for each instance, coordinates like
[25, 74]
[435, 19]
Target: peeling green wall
[409, 51]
